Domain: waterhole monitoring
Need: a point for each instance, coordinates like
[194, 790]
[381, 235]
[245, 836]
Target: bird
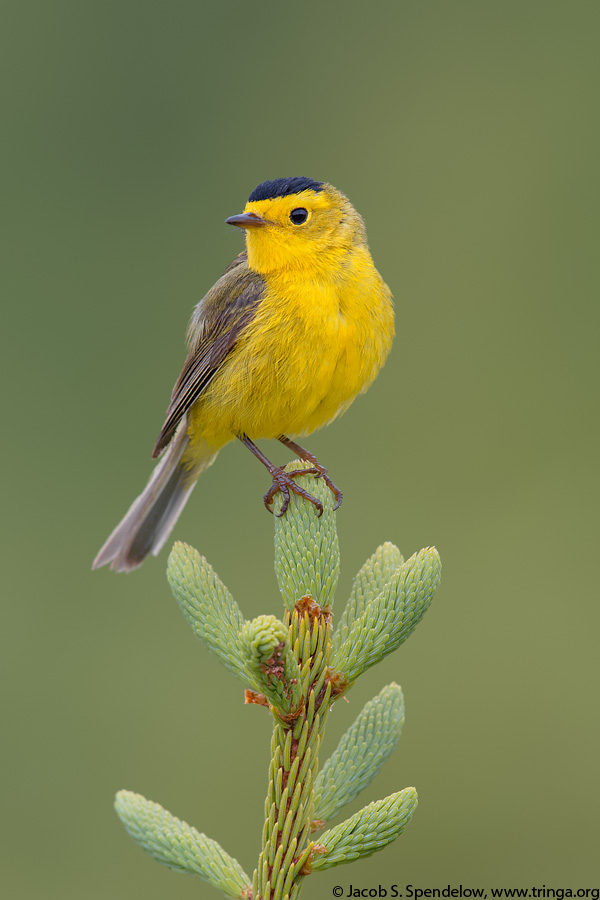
[295, 328]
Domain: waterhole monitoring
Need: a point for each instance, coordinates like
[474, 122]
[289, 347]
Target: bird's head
[293, 223]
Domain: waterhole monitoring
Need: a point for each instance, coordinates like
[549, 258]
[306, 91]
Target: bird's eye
[299, 215]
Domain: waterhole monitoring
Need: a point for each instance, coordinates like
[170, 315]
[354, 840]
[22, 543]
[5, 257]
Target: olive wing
[217, 322]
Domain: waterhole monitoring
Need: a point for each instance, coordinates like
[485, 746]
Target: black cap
[281, 187]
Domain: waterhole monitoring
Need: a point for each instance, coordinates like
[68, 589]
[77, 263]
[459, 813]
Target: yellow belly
[311, 348]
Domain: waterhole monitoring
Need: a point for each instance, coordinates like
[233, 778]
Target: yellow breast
[317, 341]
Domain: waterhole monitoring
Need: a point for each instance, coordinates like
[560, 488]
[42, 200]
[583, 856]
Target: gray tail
[151, 517]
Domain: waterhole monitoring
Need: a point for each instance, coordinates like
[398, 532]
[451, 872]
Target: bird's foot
[320, 470]
[284, 481]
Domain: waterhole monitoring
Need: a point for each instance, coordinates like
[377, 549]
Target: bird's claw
[322, 473]
[284, 481]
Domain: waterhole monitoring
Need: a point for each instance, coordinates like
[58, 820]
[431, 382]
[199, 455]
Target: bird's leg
[308, 457]
[283, 481]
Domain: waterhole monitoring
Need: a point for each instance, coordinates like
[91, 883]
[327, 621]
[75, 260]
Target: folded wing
[217, 323]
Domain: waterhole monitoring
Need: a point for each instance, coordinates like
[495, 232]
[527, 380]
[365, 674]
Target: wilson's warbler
[296, 327]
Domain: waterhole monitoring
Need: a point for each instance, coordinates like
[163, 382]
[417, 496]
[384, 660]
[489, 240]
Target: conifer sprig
[297, 667]
[360, 754]
[179, 846]
[370, 829]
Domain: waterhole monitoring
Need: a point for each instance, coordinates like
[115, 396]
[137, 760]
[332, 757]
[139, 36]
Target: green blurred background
[467, 136]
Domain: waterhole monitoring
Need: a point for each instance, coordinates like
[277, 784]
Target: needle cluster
[297, 668]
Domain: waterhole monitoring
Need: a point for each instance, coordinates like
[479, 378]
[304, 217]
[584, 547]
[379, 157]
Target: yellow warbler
[296, 327]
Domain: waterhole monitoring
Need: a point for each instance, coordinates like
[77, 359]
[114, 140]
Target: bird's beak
[246, 220]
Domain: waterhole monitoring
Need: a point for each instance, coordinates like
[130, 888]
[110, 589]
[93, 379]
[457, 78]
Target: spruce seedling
[298, 667]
